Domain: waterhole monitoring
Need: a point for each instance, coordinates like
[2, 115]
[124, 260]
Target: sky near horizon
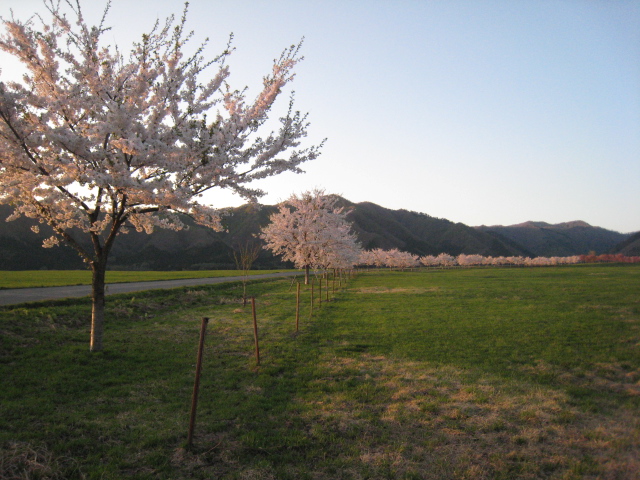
[481, 112]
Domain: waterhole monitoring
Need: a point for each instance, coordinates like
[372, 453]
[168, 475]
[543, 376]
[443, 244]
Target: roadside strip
[15, 296]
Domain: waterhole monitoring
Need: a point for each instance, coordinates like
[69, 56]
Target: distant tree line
[395, 258]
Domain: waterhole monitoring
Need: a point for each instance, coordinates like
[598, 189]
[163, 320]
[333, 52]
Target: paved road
[22, 295]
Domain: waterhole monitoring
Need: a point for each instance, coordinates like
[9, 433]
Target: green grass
[476, 374]
[57, 278]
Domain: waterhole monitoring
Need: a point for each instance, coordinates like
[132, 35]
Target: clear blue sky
[481, 112]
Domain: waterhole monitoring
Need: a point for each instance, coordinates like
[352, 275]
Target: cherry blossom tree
[393, 258]
[93, 142]
[341, 249]
[399, 259]
[429, 261]
[376, 257]
[310, 231]
[446, 260]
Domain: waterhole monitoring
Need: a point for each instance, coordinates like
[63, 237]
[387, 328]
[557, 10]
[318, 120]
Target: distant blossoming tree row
[398, 259]
[464, 260]
[608, 258]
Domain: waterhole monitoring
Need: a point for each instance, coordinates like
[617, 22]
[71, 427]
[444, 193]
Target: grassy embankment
[57, 278]
[477, 374]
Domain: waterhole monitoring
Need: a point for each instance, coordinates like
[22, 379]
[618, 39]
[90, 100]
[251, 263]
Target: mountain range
[375, 226]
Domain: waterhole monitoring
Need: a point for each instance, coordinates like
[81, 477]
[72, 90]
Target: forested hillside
[376, 227]
[563, 239]
[629, 247]
[421, 234]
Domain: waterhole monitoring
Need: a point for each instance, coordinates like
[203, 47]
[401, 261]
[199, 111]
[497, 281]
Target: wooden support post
[311, 310]
[196, 385]
[327, 287]
[255, 329]
[334, 283]
[297, 305]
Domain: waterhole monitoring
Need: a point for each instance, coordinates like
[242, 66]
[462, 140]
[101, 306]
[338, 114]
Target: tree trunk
[244, 291]
[97, 307]
[306, 275]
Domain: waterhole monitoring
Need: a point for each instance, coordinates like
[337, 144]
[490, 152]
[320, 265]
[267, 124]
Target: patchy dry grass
[20, 460]
[413, 420]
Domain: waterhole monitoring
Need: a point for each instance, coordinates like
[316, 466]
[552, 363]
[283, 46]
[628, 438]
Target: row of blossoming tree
[395, 258]
[476, 260]
[311, 231]
[609, 258]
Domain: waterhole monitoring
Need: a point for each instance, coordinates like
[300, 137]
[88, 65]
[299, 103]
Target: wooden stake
[327, 287]
[311, 312]
[297, 306]
[320, 292]
[196, 385]
[255, 329]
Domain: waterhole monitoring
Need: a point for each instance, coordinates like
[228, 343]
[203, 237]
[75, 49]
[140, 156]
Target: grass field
[470, 374]
[57, 278]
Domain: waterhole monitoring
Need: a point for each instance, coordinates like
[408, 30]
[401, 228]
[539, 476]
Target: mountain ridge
[540, 224]
[562, 239]
[375, 226]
